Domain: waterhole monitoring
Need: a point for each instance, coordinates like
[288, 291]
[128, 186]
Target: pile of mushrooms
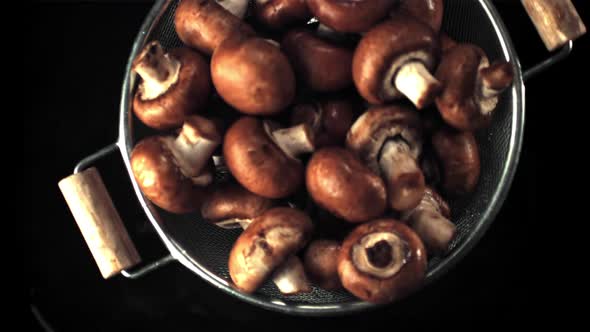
[369, 115]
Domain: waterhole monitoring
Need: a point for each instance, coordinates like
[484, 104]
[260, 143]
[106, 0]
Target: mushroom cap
[321, 263]
[161, 179]
[321, 65]
[269, 240]
[458, 154]
[350, 15]
[232, 201]
[278, 14]
[188, 95]
[371, 131]
[205, 24]
[376, 289]
[385, 44]
[427, 11]
[252, 75]
[338, 182]
[258, 163]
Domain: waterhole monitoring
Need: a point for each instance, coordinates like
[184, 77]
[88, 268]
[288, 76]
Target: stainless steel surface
[555, 58]
[141, 271]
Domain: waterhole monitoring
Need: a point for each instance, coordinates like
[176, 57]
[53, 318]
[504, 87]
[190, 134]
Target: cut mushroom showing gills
[173, 86]
[321, 65]
[279, 14]
[430, 220]
[232, 206]
[458, 154]
[253, 75]
[270, 240]
[205, 24]
[382, 261]
[394, 60]
[471, 86]
[321, 263]
[341, 184]
[262, 157]
[388, 140]
[173, 172]
[426, 11]
[350, 15]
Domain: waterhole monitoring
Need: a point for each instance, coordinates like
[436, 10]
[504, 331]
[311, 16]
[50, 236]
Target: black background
[77, 58]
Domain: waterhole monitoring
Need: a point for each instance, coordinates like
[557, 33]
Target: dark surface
[75, 103]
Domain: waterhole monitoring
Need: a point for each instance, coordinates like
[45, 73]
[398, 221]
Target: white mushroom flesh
[396, 159]
[158, 70]
[290, 277]
[236, 7]
[380, 254]
[293, 141]
[414, 80]
[486, 97]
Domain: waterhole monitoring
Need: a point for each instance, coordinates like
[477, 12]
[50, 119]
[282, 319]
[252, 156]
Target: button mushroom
[321, 65]
[330, 119]
[321, 263]
[458, 154]
[204, 24]
[427, 11]
[170, 172]
[388, 139]
[350, 15]
[262, 158]
[279, 14]
[430, 220]
[393, 60]
[231, 206]
[173, 85]
[382, 261]
[252, 75]
[471, 86]
[270, 240]
[338, 182]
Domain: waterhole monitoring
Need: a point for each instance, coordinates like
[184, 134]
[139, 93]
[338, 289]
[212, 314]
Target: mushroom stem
[404, 179]
[236, 7]
[157, 69]
[415, 81]
[293, 141]
[290, 277]
[495, 79]
[380, 254]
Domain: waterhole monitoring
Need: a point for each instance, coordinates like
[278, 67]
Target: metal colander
[204, 248]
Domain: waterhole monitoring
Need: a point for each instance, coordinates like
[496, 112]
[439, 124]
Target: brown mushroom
[330, 119]
[382, 261]
[338, 182]
[427, 11]
[458, 154]
[321, 65]
[350, 15]
[253, 76]
[173, 85]
[204, 24]
[262, 158]
[270, 240]
[321, 263]
[279, 14]
[388, 140]
[393, 60]
[430, 220]
[471, 86]
[171, 172]
[446, 42]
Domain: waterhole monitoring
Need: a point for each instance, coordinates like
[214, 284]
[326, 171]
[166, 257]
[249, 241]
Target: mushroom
[459, 159]
[204, 24]
[173, 85]
[321, 65]
[388, 139]
[338, 182]
[278, 14]
[262, 157]
[270, 240]
[172, 172]
[393, 60]
[382, 261]
[232, 206]
[253, 76]
[427, 11]
[330, 119]
[446, 42]
[430, 220]
[237, 7]
[321, 263]
[471, 86]
[350, 15]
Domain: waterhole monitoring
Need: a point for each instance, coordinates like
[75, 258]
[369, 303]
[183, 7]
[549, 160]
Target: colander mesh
[465, 21]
